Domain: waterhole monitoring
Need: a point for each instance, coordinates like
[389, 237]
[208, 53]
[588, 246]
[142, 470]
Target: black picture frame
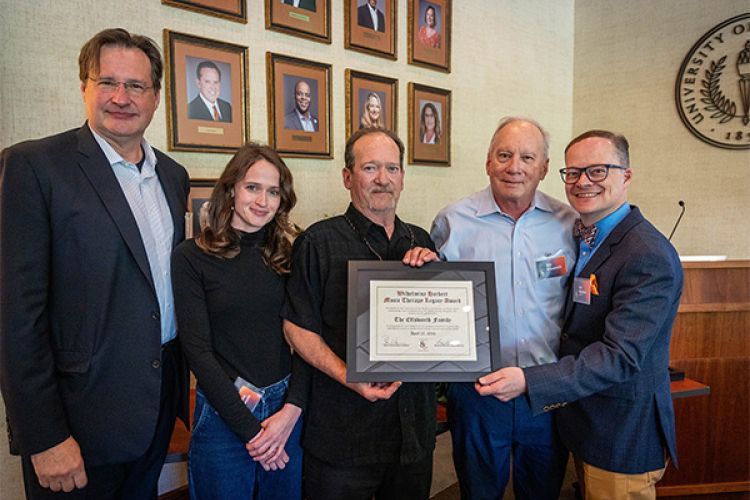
[359, 367]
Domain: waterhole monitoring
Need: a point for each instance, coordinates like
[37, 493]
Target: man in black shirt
[361, 439]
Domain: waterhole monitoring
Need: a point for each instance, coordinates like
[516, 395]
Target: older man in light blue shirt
[528, 235]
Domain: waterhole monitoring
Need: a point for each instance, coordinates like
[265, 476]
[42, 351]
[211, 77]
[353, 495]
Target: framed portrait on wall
[430, 33]
[371, 101]
[299, 106]
[370, 27]
[429, 125]
[200, 193]
[309, 19]
[234, 10]
[207, 94]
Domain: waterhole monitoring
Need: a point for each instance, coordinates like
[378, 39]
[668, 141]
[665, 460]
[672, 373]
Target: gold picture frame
[372, 33]
[191, 126]
[366, 92]
[430, 33]
[311, 19]
[429, 125]
[233, 10]
[299, 106]
[200, 193]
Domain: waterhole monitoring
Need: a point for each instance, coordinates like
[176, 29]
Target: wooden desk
[688, 388]
[711, 342]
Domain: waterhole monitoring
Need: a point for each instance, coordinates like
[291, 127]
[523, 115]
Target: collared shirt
[306, 120]
[530, 309]
[374, 16]
[342, 427]
[211, 106]
[149, 206]
[604, 226]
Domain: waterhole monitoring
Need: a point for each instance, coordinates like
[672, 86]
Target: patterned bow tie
[587, 234]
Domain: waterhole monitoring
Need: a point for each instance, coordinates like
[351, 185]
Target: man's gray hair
[507, 120]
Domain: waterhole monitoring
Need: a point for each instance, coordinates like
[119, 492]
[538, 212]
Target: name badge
[582, 291]
[551, 266]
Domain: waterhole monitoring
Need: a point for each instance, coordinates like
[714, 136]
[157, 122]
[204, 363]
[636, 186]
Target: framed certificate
[437, 323]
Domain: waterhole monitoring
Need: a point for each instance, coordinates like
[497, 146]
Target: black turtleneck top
[229, 325]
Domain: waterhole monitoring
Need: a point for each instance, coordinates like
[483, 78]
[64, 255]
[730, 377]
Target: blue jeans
[486, 431]
[219, 466]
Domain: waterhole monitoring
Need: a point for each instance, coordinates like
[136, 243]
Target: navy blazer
[611, 384]
[197, 110]
[292, 121]
[304, 4]
[365, 19]
[80, 333]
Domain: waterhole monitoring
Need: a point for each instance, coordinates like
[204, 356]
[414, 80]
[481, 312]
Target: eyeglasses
[107, 86]
[596, 173]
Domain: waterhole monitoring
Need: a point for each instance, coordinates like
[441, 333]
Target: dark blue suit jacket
[292, 121]
[364, 19]
[304, 4]
[197, 110]
[80, 342]
[611, 384]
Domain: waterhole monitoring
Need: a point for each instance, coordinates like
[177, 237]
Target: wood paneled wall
[711, 343]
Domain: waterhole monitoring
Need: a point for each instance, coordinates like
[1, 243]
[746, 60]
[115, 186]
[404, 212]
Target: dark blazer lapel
[171, 192]
[95, 166]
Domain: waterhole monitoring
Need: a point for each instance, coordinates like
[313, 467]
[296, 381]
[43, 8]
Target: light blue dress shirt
[306, 120]
[530, 309]
[151, 211]
[604, 227]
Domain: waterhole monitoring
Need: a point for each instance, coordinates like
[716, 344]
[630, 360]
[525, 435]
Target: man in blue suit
[90, 368]
[611, 385]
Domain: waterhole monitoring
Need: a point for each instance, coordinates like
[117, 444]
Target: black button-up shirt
[342, 427]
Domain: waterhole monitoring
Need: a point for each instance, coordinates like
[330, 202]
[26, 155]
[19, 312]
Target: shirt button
[155, 363]
[564, 336]
[155, 316]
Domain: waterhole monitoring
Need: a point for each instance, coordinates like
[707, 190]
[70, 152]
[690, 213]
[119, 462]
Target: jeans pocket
[202, 412]
[273, 399]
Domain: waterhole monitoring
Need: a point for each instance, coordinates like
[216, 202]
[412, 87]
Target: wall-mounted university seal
[712, 91]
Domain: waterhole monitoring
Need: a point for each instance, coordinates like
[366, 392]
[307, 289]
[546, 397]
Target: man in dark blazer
[91, 373]
[610, 388]
[207, 105]
[365, 14]
[301, 4]
[301, 117]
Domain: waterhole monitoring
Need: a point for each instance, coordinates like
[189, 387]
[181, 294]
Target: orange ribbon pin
[594, 285]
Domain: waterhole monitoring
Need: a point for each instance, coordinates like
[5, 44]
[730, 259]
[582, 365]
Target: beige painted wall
[509, 57]
[627, 56]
